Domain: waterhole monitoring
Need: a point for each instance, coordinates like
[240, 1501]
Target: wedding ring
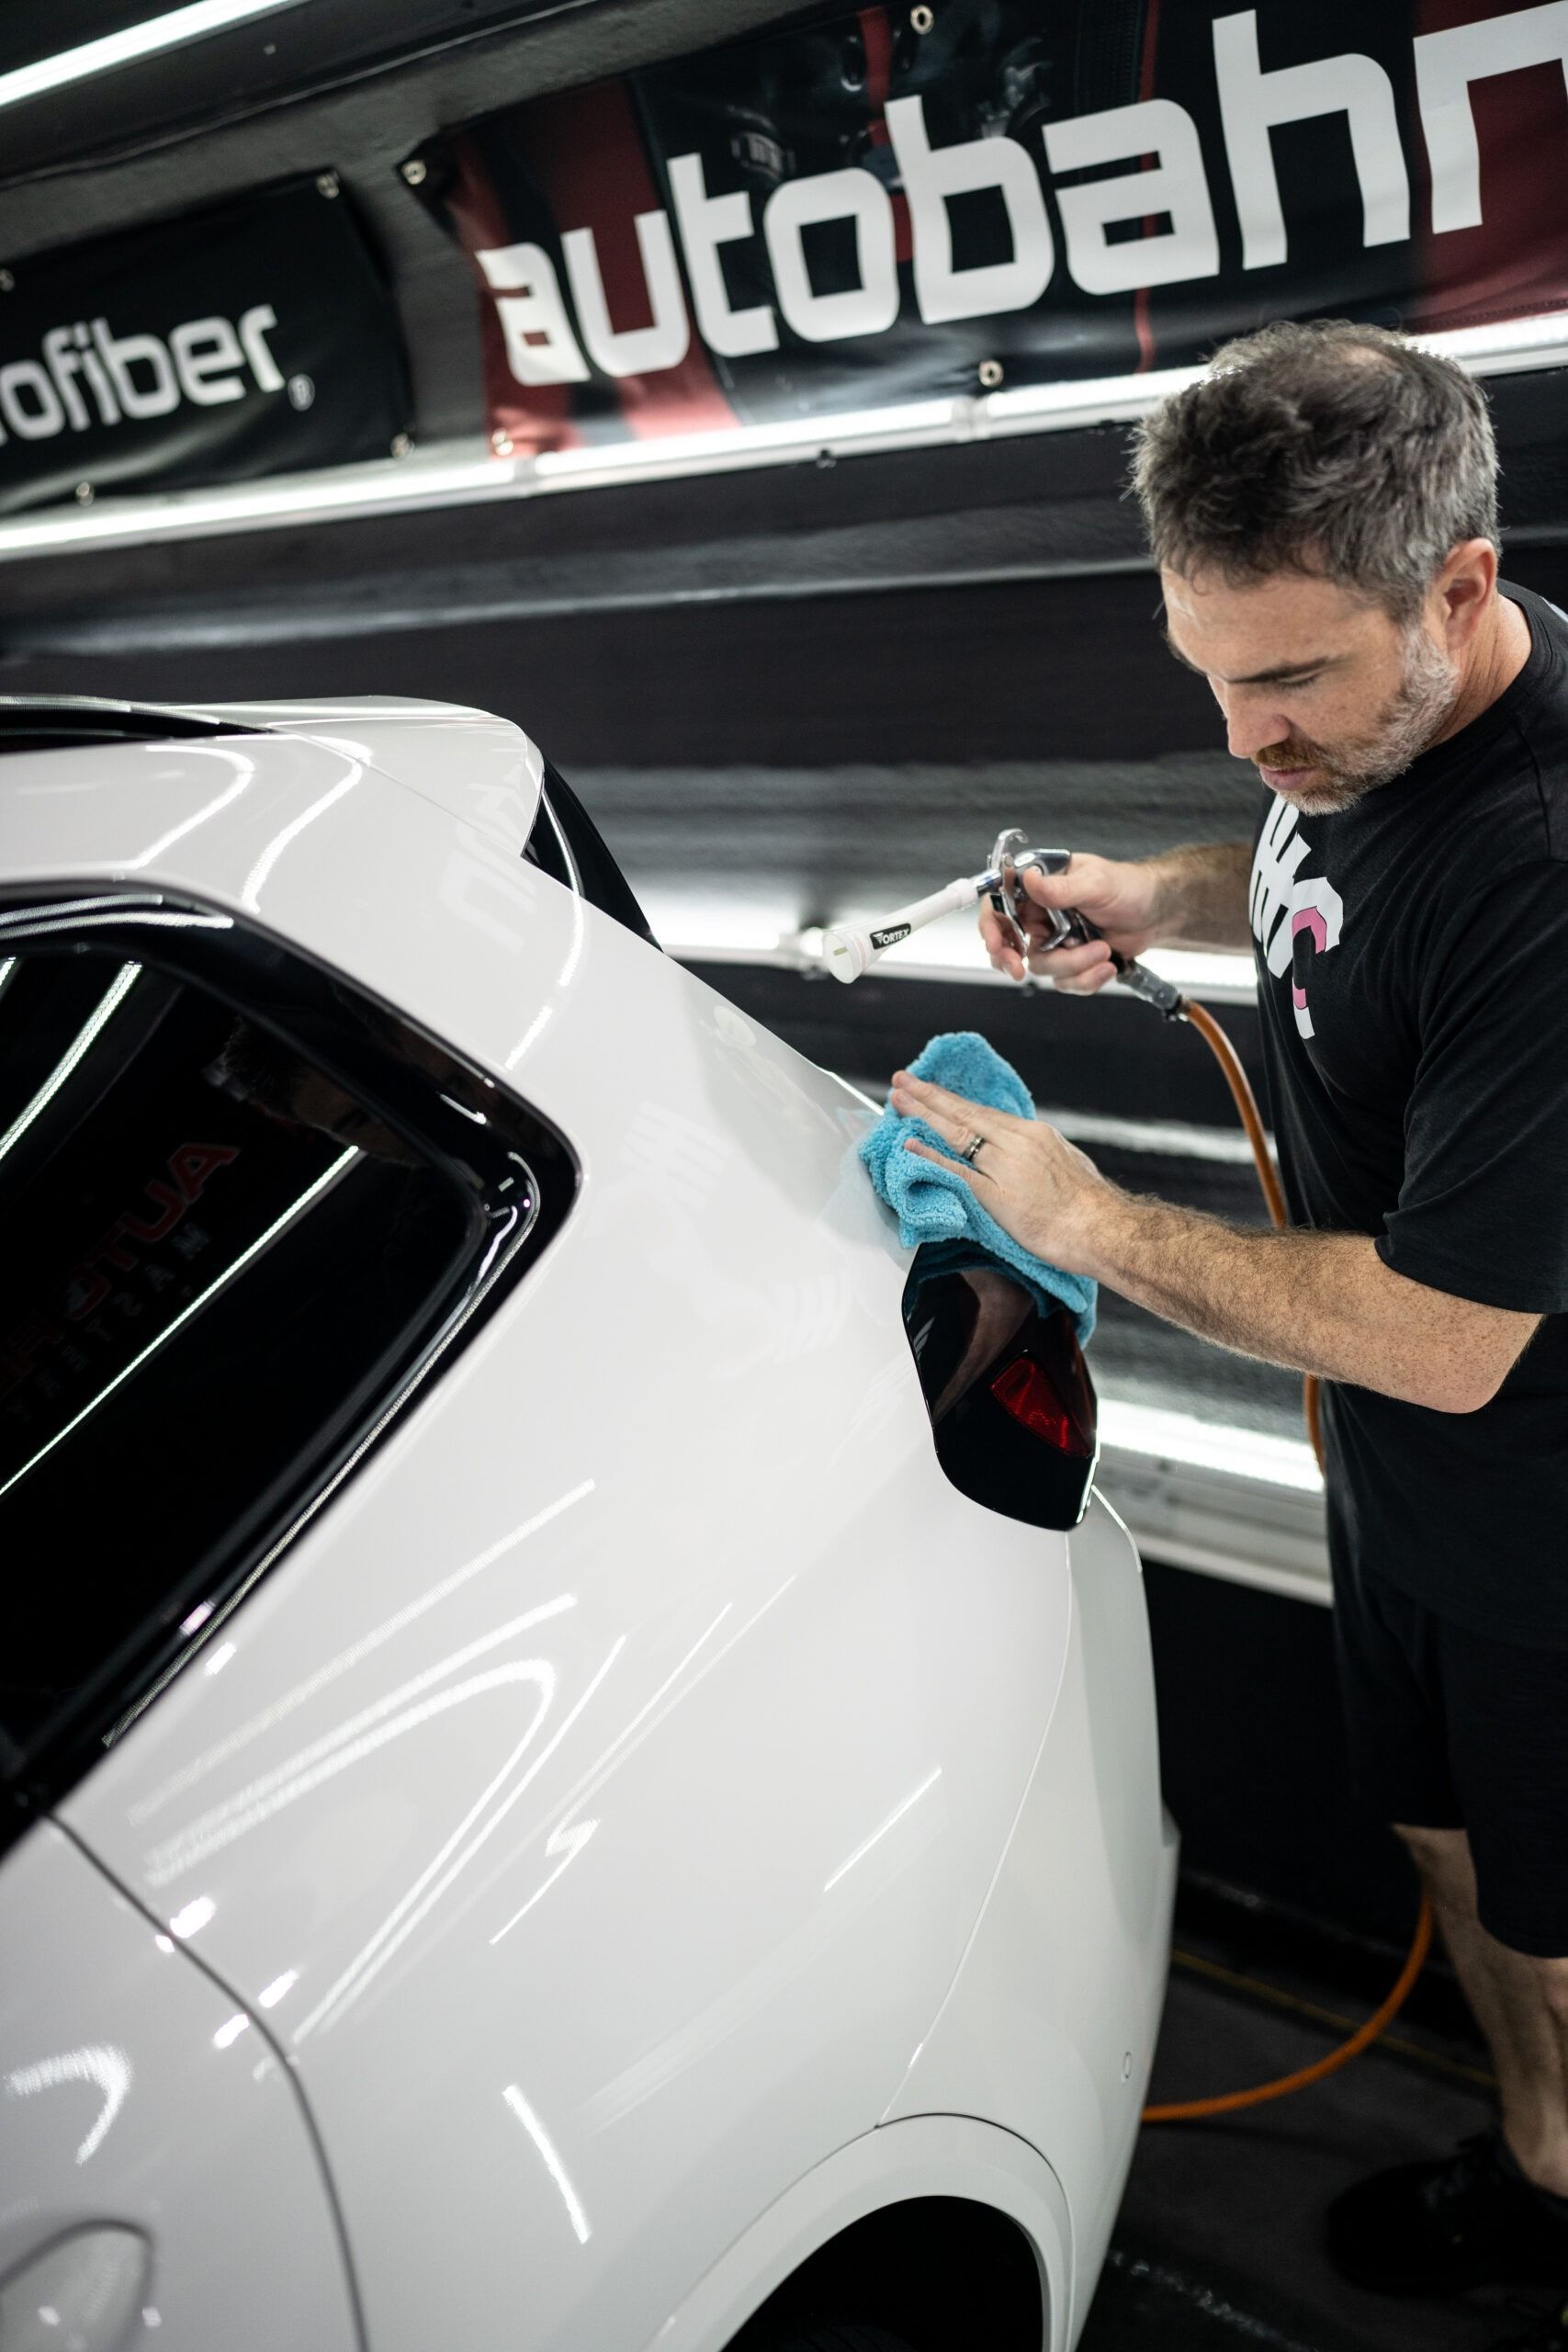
[970, 1147]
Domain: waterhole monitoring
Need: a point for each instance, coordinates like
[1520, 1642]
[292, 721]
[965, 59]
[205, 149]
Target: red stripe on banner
[587, 152]
[532, 418]
[1141, 325]
[1515, 261]
[877, 37]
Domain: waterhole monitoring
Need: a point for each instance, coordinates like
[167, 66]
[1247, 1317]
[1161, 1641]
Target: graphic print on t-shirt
[1294, 916]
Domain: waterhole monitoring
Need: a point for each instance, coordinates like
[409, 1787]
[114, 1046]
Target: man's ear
[1463, 591]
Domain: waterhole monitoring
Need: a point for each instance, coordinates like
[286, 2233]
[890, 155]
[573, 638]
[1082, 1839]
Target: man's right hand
[1119, 898]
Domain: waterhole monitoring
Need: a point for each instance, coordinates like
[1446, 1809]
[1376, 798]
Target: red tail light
[1026, 1390]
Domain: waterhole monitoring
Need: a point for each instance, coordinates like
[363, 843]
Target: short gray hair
[1329, 448]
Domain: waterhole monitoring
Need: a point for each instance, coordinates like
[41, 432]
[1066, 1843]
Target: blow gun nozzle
[849, 953]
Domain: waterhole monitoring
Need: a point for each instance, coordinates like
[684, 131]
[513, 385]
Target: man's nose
[1252, 722]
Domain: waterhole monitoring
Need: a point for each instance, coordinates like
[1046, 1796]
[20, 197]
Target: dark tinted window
[566, 844]
[219, 1261]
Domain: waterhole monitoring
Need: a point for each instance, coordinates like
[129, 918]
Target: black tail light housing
[1011, 1403]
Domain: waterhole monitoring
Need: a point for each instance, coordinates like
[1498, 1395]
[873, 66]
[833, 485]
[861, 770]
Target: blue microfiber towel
[931, 1199]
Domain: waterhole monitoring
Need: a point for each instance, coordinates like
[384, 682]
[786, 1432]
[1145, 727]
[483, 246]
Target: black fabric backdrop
[152, 320]
[1325, 138]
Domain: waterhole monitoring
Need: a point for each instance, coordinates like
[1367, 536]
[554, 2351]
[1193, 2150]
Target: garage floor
[1217, 2243]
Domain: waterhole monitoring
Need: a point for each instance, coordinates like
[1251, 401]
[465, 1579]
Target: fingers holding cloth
[1014, 1199]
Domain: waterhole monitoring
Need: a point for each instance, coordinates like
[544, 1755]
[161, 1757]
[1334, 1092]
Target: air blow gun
[848, 953]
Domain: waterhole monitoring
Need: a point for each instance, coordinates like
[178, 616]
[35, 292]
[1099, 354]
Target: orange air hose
[1229, 2102]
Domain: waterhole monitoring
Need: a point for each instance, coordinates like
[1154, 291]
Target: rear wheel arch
[936, 2273]
[932, 2191]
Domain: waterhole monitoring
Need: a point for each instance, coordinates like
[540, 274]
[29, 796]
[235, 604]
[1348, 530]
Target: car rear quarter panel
[613, 1776]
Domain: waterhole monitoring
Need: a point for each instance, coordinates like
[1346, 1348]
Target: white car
[580, 1753]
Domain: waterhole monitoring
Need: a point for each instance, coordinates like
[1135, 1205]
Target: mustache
[1287, 755]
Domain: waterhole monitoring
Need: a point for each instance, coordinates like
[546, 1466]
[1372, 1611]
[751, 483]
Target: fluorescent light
[125, 47]
[1093, 398]
[1152, 1430]
[1506, 344]
[459, 473]
[1228, 980]
[698, 926]
[1171, 1138]
[724, 930]
[749, 443]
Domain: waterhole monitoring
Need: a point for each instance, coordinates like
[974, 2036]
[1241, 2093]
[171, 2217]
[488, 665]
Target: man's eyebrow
[1277, 676]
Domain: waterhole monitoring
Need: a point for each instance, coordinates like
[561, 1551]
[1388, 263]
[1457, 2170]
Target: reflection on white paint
[530, 1037]
[250, 894]
[562, 1847]
[244, 775]
[568, 1842]
[101, 2063]
[270, 1995]
[553, 2165]
[197, 1618]
[220, 1656]
[401, 1711]
[230, 2031]
[368, 1642]
[478, 1826]
[897, 1815]
[193, 1918]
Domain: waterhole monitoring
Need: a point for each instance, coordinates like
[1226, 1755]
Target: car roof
[483, 769]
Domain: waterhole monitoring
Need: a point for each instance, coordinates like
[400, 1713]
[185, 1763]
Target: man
[1322, 508]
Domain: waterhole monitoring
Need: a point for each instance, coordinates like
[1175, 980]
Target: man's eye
[1293, 686]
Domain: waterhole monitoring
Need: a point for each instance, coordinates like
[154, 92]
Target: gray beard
[1409, 726]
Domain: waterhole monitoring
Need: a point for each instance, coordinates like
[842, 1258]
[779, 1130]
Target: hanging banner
[899, 204]
[256, 339]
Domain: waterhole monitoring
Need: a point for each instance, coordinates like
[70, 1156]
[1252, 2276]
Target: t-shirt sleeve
[1483, 1211]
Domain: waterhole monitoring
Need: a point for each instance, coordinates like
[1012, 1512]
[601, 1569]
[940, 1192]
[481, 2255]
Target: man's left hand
[1040, 1188]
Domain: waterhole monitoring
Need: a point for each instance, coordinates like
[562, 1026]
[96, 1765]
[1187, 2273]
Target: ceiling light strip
[1214, 979]
[462, 472]
[1157, 1434]
[133, 42]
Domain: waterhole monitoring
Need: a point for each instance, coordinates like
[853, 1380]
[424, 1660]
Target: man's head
[1323, 507]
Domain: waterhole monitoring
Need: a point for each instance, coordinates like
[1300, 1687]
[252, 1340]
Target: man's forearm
[1314, 1302]
[1202, 900]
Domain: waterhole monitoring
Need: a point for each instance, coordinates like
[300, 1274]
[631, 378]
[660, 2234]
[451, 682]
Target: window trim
[471, 1126]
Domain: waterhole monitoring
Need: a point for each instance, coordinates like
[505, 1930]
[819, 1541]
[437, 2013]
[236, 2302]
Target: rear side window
[228, 1247]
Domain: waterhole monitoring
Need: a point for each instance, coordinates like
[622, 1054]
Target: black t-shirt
[1413, 980]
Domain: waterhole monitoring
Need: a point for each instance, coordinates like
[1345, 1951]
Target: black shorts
[1449, 1730]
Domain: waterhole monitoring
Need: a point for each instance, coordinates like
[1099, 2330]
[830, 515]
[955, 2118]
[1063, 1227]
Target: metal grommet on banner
[923, 19]
[991, 372]
[413, 171]
[327, 184]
